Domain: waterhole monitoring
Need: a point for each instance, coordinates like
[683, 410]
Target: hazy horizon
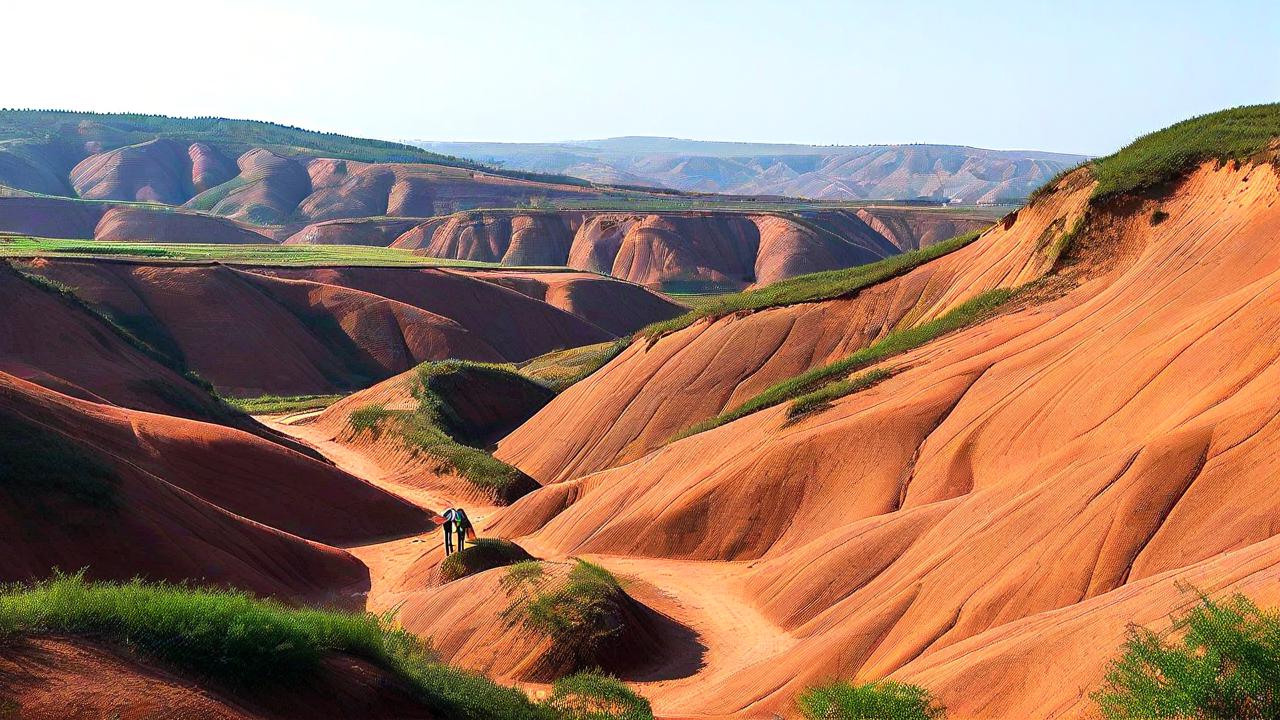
[1005, 76]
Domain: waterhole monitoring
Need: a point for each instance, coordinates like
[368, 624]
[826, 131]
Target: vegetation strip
[252, 644]
[279, 405]
[810, 389]
[427, 429]
[814, 287]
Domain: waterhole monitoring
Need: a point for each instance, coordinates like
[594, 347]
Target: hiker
[449, 520]
[462, 526]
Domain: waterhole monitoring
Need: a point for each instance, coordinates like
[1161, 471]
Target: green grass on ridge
[814, 287]
[802, 387]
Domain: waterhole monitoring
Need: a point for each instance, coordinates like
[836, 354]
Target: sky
[1063, 76]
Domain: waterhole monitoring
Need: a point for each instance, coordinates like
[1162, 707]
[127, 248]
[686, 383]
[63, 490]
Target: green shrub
[578, 612]
[884, 700]
[428, 428]
[369, 418]
[897, 341]
[561, 369]
[814, 287]
[231, 637]
[824, 396]
[1164, 155]
[595, 696]
[1159, 216]
[483, 554]
[1221, 660]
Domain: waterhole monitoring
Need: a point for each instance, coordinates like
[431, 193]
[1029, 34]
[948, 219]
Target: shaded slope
[251, 334]
[519, 326]
[995, 506]
[121, 520]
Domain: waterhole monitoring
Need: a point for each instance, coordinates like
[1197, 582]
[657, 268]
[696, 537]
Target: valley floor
[707, 597]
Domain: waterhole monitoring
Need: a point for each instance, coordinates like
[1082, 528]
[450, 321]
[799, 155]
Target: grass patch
[39, 465]
[823, 397]
[578, 613]
[233, 638]
[279, 405]
[814, 287]
[1164, 155]
[281, 255]
[1220, 660]
[898, 341]
[561, 369]
[429, 429]
[482, 554]
[884, 700]
[596, 696]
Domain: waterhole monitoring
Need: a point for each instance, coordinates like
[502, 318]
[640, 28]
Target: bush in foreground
[482, 554]
[247, 643]
[578, 612]
[884, 700]
[595, 696]
[1220, 660]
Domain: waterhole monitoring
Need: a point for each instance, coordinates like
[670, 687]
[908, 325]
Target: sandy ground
[707, 597]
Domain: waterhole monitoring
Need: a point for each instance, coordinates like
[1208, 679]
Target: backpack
[460, 517]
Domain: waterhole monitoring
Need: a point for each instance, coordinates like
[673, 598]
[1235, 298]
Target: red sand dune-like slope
[251, 334]
[162, 170]
[618, 307]
[74, 219]
[994, 513]
[360, 231]
[59, 678]
[50, 340]
[722, 248]
[636, 403]
[179, 510]
[519, 324]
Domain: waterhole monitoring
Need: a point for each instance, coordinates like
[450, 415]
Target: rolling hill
[831, 172]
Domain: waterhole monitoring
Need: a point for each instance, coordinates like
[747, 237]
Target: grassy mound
[813, 389]
[814, 287]
[482, 554]
[1166, 154]
[579, 612]
[595, 696]
[230, 637]
[279, 405]
[1221, 660]
[437, 427]
[884, 700]
[561, 369]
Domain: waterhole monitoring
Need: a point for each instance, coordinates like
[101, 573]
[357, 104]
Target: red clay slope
[518, 324]
[621, 308]
[156, 521]
[995, 512]
[637, 402]
[699, 249]
[55, 678]
[251, 334]
[49, 339]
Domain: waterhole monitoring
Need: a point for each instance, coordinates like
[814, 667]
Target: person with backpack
[462, 526]
[449, 520]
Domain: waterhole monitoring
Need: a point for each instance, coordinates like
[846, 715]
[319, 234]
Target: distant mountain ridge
[834, 172]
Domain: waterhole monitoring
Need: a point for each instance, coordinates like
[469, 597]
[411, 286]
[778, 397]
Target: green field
[19, 246]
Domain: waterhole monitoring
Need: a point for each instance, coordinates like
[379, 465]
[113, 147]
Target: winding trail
[706, 597]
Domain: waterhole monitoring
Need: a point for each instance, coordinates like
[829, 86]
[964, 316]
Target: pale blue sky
[1074, 77]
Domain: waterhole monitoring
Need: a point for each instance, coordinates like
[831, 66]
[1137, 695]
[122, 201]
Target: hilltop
[827, 172]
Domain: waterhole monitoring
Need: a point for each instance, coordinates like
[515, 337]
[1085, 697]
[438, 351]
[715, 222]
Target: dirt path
[707, 597]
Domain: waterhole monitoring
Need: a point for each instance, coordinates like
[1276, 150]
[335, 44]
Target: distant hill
[832, 172]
